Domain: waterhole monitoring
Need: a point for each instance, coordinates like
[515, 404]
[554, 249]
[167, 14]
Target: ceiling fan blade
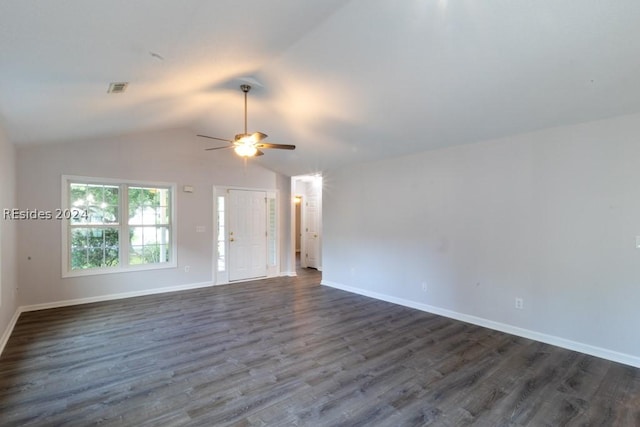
[259, 153]
[218, 148]
[217, 139]
[278, 146]
[258, 136]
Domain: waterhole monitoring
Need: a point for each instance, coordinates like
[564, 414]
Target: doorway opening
[307, 221]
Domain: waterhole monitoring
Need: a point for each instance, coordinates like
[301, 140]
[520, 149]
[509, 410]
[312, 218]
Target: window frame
[123, 226]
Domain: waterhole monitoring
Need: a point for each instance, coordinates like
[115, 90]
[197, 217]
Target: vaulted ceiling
[345, 81]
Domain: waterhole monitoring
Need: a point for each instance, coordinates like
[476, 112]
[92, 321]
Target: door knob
[232, 239]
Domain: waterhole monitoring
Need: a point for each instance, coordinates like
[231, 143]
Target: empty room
[320, 213]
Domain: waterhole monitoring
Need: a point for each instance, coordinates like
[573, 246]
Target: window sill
[117, 270]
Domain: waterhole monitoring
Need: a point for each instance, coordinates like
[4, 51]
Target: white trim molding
[9, 330]
[288, 274]
[603, 353]
[111, 297]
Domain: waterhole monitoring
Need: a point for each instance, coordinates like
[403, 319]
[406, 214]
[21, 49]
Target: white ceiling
[343, 80]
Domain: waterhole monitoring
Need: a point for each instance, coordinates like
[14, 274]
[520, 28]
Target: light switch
[637, 242]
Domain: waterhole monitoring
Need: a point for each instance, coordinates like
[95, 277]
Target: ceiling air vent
[118, 87]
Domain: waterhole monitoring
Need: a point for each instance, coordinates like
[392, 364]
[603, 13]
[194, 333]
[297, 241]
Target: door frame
[221, 277]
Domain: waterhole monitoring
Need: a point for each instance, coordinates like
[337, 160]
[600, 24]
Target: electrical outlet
[519, 303]
[425, 287]
[187, 268]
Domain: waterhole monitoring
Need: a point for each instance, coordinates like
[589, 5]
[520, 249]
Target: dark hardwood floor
[288, 351]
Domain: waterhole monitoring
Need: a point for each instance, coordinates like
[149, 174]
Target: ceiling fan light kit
[245, 144]
[245, 150]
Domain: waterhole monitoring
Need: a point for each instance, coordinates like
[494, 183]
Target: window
[94, 225]
[222, 243]
[113, 227]
[149, 225]
[272, 250]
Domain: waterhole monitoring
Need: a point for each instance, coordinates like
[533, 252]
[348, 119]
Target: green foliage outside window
[149, 212]
[94, 247]
[95, 236]
[94, 239]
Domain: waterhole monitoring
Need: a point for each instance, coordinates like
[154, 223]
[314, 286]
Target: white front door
[247, 234]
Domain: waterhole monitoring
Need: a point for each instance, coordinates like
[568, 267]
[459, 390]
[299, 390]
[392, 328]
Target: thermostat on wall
[188, 188]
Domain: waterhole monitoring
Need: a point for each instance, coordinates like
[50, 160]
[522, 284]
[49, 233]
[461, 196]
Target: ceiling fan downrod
[245, 89]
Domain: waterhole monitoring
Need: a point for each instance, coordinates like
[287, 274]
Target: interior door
[312, 227]
[247, 234]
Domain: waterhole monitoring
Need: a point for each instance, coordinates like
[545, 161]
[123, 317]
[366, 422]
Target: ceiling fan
[246, 144]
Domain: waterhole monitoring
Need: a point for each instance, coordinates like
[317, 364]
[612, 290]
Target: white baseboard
[110, 297]
[9, 330]
[288, 274]
[603, 353]
[78, 301]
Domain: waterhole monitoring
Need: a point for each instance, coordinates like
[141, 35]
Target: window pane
[78, 202]
[149, 206]
[272, 250]
[94, 248]
[94, 204]
[148, 215]
[149, 245]
[77, 194]
[149, 218]
[221, 234]
[221, 262]
[162, 215]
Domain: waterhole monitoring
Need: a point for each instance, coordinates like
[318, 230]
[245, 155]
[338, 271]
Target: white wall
[170, 156]
[8, 239]
[550, 216]
[284, 214]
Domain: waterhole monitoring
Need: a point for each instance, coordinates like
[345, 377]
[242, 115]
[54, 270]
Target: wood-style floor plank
[288, 351]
